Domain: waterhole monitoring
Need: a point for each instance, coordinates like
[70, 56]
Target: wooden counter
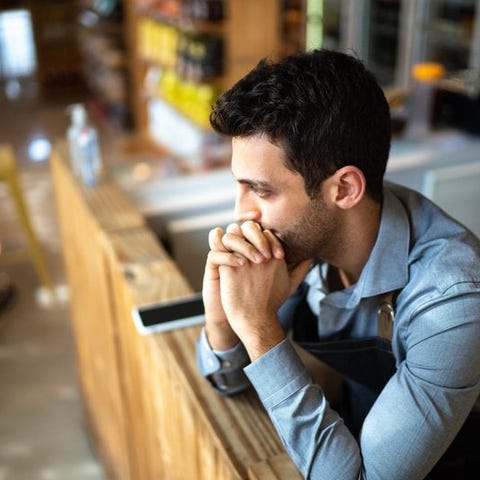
[152, 416]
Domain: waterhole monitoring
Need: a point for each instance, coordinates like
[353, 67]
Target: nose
[245, 207]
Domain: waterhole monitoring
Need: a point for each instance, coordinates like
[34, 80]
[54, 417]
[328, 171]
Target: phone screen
[169, 315]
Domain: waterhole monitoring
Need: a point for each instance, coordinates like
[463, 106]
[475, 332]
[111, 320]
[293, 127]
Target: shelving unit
[100, 32]
[451, 29]
[181, 58]
[58, 57]
[383, 41]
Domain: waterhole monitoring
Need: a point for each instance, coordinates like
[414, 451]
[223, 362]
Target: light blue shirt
[435, 263]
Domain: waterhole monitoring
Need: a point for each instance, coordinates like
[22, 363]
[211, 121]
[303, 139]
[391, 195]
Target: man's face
[275, 197]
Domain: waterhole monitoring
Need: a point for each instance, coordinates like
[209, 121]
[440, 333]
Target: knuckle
[250, 224]
[231, 227]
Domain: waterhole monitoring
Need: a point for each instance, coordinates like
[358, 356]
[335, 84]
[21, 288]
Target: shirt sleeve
[413, 421]
[313, 434]
[424, 405]
[223, 369]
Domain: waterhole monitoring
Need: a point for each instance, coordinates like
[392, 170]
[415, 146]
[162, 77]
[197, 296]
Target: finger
[240, 245]
[275, 245]
[215, 239]
[234, 228]
[250, 231]
[253, 232]
[216, 258]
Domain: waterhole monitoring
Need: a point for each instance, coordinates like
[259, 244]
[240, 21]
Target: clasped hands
[246, 281]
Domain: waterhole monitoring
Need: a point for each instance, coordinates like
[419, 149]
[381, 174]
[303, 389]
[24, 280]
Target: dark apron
[366, 365]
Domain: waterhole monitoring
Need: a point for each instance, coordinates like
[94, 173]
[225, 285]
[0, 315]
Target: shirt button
[226, 364]
[210, 362]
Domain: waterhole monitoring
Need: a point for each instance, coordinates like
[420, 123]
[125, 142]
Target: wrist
[259, 340]
[220, 335]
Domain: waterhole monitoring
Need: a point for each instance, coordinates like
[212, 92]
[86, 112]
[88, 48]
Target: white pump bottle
[84, 150]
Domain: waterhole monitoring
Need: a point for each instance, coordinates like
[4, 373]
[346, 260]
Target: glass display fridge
[390, 36]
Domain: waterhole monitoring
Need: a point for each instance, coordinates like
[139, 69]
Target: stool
[8, 173]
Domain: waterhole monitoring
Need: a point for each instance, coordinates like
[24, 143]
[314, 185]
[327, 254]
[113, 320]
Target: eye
[260, 192]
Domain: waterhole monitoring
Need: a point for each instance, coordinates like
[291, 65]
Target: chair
[8, 174]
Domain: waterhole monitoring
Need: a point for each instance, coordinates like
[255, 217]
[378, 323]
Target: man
[370, 277]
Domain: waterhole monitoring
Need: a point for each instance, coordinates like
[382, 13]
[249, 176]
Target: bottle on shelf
[83, 144]
[420, 103]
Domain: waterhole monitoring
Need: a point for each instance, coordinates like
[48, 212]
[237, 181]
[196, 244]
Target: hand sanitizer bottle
[84, 149]
[78, 120]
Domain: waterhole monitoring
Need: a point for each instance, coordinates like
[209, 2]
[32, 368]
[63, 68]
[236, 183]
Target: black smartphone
[169, 315]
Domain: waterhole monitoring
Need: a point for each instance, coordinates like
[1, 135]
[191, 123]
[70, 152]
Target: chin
[292, 259]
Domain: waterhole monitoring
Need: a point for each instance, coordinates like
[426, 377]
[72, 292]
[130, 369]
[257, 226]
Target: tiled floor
[42, 431]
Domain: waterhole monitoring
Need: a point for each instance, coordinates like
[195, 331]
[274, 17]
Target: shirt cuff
[224, 369]
[277, 374]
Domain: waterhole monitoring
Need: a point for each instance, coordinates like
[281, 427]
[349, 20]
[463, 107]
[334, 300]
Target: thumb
[297, 274]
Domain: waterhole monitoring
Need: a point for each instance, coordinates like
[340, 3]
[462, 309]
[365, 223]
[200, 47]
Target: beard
[313, 236]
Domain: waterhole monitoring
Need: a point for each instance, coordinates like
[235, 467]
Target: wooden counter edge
[279, 467]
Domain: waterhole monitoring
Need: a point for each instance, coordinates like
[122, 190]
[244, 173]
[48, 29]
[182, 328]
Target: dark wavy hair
[323, 108]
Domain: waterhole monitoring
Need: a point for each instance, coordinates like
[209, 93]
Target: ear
[347, 187]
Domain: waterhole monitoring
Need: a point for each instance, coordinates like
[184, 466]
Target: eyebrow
[254, 183]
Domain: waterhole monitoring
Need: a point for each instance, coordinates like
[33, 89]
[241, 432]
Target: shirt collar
[387, 267]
